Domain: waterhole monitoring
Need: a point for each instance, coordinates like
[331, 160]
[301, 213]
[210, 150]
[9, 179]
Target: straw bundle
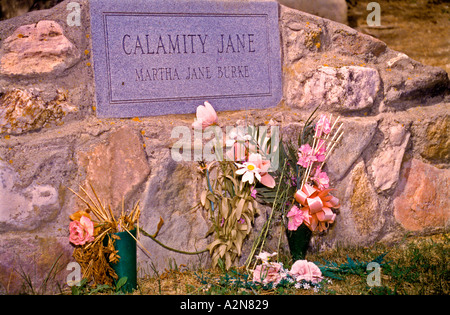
[95, 257]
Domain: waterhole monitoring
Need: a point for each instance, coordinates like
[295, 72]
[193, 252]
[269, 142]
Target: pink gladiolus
[296, 217]
[321, 151]
[321, 179]
[305, 270]
[305, 155]
[81, 231]
[267, 273]
[206, 116]
[323, 125]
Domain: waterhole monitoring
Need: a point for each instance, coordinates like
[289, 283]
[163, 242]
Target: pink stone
[422, 199]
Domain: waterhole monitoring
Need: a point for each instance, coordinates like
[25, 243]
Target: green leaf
[121, 282]
[100, 288]
[75, 290]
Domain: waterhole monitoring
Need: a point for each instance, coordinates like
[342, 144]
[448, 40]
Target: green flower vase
[126, 267]
[298, 241]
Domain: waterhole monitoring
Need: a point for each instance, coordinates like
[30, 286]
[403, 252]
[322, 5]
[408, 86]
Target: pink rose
[305, 270]
[81, 231]
[206, 116]
[267, 273]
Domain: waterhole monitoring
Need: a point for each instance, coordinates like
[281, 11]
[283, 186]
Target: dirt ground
[418, 28]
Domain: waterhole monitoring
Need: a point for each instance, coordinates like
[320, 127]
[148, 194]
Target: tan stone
[25, 110]
[37, 48]
[386, 165]
[422, 199]
[348, 88]
[358, 135]
[117, 167]
[437, 145]
[363, 202]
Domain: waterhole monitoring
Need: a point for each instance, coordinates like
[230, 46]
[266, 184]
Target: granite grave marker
[167, 57]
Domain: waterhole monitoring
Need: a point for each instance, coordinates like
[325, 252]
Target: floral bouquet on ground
[271, 273]
[92, 233]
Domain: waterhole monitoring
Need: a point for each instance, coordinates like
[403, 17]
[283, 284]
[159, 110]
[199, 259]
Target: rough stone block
[37, 49]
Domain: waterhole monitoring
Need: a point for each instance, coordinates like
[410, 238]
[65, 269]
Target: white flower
[249, 172]
[265, 256]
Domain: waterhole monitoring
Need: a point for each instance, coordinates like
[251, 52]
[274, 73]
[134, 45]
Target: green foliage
[419, 266]
[85, 289]
[334, 270]
[120, 283]
[422, 269]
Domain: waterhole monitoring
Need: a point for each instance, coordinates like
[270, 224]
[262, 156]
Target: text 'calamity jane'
[187, 44]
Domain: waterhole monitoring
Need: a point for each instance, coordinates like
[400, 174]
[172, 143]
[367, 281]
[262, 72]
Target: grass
[414, 266]
[417, 266]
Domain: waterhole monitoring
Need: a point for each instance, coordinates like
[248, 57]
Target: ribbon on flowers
[317, 206]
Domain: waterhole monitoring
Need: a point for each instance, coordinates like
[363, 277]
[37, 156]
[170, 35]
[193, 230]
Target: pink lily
[206, 116]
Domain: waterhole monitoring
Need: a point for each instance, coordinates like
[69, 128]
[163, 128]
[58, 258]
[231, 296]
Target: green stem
[170, 248]
[266, 226]
[210, 189]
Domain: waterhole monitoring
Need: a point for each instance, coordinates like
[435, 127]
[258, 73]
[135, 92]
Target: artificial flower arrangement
[302, 196]
[230, 193]
[299, 190]
[92, 234]
[315, 204]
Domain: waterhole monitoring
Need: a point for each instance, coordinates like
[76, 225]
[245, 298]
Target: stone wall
[390, 171]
